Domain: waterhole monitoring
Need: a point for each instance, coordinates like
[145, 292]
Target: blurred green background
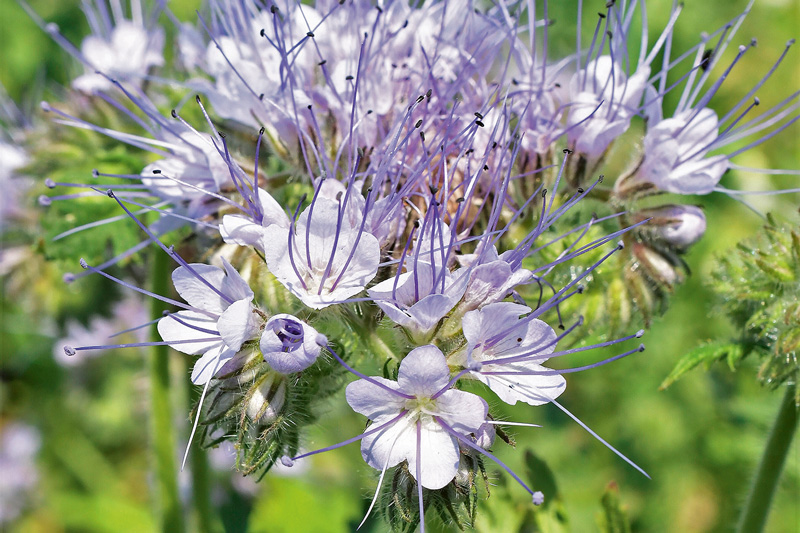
[700, 440]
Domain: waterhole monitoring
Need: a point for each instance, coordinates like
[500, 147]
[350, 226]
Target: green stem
[169, 511]
[756, 510]
[207, 520]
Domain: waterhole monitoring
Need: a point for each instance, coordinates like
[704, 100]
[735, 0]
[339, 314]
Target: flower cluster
[397, 189]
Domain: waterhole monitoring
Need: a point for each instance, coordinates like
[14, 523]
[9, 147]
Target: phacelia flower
[221, 317]
[413, 409]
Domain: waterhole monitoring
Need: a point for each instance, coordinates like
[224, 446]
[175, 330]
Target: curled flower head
[289, 345]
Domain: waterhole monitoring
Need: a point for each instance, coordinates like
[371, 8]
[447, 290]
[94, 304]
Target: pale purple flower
[119, 48]
[413, 409]
[675, 154]
[220, 320]
[602, 101]
[322, 259]
[19, 445]
[519, 345]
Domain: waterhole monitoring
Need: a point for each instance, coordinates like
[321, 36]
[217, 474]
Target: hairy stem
[754, 515]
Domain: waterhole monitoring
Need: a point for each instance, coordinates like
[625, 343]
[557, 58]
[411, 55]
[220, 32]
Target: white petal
[184, 326]
[207, 366]
[463, 411]
[238, 324]
[373, 401]
[438, 457]
[423, 372]
[195, 292]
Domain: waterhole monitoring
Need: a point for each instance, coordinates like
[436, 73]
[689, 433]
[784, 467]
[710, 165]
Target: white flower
[125, 54]
[507, 352]
[603, 100]
[324, 259]
[245, 230]
[222, 321]
[675, 152]
[420, 298]
[417, 436]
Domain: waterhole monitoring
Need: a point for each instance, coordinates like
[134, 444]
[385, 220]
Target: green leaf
[614, 518]
[541, 477]
[706, 353]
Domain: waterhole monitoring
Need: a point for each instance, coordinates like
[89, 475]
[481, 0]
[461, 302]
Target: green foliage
[757, 286]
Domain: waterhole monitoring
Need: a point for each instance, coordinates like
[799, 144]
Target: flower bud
[266, 400]
[678, 225]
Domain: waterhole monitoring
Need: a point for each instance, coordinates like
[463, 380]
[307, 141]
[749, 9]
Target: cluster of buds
[405, 208]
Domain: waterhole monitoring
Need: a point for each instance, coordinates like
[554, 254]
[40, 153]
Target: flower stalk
[756, 510]
[167, 499]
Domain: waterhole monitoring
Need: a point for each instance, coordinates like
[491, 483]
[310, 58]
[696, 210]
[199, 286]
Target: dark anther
[174, 113]
[418, 124]
[479, 123]
[405, 24]
[460, 200]
[601, 15]
[600, 178]
[110, 193]
[420, 98]
[261, 96]
[494, 145]
[756, 101]
[514, 81]
[348, 77]
[429, 93]
[478, 115]
[95, 173]
[485, 167]
[379, 9]
[310, 34]
[221, 134]
[322, 62]
[544, 193]
[580, 190]
[273, 9]
[263, 33]
[567, 151]
[433, 189]
[309, 107]
[422, 136]
[261, 131]
[156, 171]
[706, 61]
[197, 98]
[416, 223]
